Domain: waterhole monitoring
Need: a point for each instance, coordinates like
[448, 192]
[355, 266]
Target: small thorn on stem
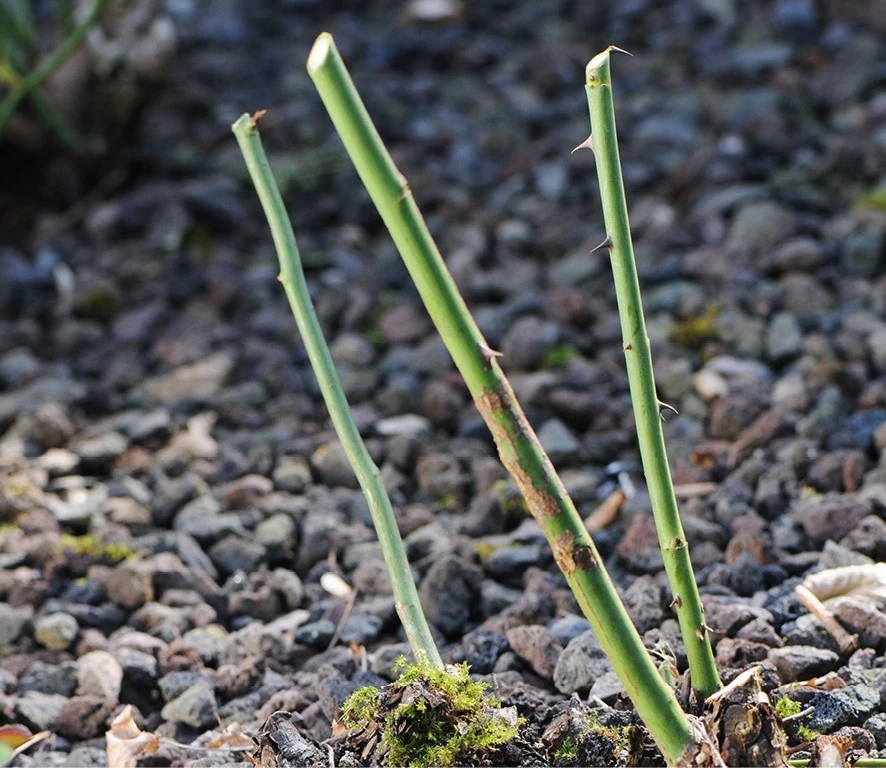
[588, 143]
[405, 192]
[662, 407]
[256, 118]
[677, 602]
[701, 632]
[607, 243]
[488, 354]
[620, 50]
[628, 347]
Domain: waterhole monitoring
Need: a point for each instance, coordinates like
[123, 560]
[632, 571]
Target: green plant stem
[647, 407]
[293, 278]
[50, 64]
[518, 445]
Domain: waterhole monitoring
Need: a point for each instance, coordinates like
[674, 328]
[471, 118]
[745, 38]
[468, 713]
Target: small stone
[580, 665]
[607, 688]
[845, 706]
[568, 627]
[863, 252]
[233, 554]
[784, 339]
[559, 443]
[735, 653]
[732, 413]
[50, 678]
[98, 453]
[877, 726]
[527, 342]
[129, 586]
[85, 717]
[100, 675]
[361, 629]
[194, 382]
[196, 707]
[448, 592]
[40, 711]
[802, 662]
[292, 474]
[316, 634]
[440, 475]
[404, 324]
[644, 601]
[877, 349]
[759, 227]
[829, 517]
[12, 623]
[277, 534]
[481, 647]
[538, 646]
[709, 384]
[174, 684]
[862, 618]
[56, 631]
[332, 466]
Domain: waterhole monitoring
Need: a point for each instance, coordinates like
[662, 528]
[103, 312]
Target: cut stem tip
[320, 51]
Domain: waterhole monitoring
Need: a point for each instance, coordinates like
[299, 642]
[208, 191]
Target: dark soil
[171, 491]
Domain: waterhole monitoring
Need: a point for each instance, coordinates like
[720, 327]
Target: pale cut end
[320, 51]
[599, 61]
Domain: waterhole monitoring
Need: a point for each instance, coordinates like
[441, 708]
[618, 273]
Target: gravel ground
[171, 492]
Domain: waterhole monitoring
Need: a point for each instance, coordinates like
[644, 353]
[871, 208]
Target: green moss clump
[617, 735]
[92, 547]
[567, 752]
[430, 716]
[696, 330]
[787, 707]
[559, 356]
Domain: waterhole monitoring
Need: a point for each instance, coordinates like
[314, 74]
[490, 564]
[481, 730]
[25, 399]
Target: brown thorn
[628, 347]
[256, 118]
[607, 243]
[620, 50]
[677, 602]
[588, 143]
[487, 353]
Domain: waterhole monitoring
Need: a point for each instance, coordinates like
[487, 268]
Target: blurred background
[139, 290]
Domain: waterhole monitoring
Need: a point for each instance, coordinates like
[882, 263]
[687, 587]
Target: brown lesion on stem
[509, 428]
[572, 556]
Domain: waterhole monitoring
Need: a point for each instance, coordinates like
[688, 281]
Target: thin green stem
[647, 407]
[50, 64]
[518, 446]
[293, 278]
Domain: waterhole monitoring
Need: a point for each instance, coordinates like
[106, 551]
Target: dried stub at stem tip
[255, 119]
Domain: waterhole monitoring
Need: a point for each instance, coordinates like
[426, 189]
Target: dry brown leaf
[126, 741]
[849, 581]
[232, 736]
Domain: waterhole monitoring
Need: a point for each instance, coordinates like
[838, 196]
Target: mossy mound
[428, 717]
